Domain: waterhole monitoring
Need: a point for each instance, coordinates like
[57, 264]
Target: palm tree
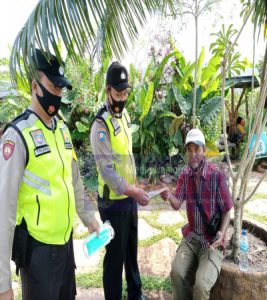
[82, 26]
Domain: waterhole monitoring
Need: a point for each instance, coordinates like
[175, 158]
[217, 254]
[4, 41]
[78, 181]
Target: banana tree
[208, 93]
[195, 8]
[83, 26]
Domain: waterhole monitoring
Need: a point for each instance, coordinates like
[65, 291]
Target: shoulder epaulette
[23, 116]
[101, 112]
[20, 118]
[102, 115]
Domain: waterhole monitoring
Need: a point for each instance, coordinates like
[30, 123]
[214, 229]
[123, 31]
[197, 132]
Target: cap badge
[61, 70]
[123, 76]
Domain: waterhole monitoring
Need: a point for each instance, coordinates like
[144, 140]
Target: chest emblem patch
[38, 138]
[40, 143]
[66, 138]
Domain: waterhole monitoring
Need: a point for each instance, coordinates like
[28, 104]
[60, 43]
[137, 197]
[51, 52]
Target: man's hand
[141, 197]
[8, 295]
[217, 241]
[166, 195]
[93, 226]
[169, 196]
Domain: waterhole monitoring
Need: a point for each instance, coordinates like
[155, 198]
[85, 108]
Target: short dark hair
[238, 120]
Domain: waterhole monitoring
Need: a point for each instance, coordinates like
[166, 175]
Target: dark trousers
[50, 274]
[122, 250]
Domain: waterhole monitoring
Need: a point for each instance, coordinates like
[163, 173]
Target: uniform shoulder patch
[8, 149]
[101, 134]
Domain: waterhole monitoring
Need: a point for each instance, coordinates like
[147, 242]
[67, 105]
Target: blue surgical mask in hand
[93, 242]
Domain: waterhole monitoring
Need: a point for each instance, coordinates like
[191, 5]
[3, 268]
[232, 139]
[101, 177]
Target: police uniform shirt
[104, 156]
[12, 165]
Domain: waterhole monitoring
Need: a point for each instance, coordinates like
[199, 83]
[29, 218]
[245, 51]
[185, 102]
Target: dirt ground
[257, 252]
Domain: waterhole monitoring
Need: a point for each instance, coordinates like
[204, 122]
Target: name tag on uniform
[40, 143]
[42, 150]
[115, 126]
[66, 137]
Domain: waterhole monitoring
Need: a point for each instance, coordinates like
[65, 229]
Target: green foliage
[12, 103]
[162, 103]
[10, 107]
[209, 110]
[149, 283]
[169, 231]
[4, 72]
[80, 105]
[88, 280]
[259, 15]
[146, 102]
[212, 132]
[4, 61]
[93, 25]
[223, 41]
[152, 283]
[184, 103]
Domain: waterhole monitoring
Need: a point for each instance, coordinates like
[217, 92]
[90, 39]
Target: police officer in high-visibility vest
[40, 188]
[118, 194]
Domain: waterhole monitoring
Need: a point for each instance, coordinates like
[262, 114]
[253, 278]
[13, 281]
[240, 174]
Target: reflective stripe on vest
[46, 195]
[121, 144]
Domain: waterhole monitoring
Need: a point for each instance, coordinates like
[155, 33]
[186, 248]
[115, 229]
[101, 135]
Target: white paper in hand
[152, 194]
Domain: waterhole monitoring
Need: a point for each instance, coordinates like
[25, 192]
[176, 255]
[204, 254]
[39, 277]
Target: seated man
[203, 186]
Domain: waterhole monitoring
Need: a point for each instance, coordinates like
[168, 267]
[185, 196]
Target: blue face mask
[49, 102]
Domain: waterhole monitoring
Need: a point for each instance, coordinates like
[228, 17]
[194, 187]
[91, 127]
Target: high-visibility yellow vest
[46, 195]
[121, 144]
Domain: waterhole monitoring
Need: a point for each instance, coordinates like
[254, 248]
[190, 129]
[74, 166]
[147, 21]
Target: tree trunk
[247, 110]
[196, 66]
[237, 231]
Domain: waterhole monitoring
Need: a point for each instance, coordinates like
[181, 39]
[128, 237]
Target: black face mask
[49, 102]
[117, 106]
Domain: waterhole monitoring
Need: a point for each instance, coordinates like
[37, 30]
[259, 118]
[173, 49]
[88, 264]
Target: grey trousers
[195, 266]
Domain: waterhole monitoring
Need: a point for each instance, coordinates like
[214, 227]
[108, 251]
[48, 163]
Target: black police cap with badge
[117, 77]
[52, 69]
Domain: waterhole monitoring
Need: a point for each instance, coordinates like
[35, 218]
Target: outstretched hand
[166, 195]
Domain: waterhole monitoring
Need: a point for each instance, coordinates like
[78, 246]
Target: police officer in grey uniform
[40, 187]
[118, 194]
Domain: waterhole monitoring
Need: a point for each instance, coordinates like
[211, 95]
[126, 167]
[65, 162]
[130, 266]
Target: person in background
[118, 195]
[240, 131]
[40, 188]
[208, 201]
